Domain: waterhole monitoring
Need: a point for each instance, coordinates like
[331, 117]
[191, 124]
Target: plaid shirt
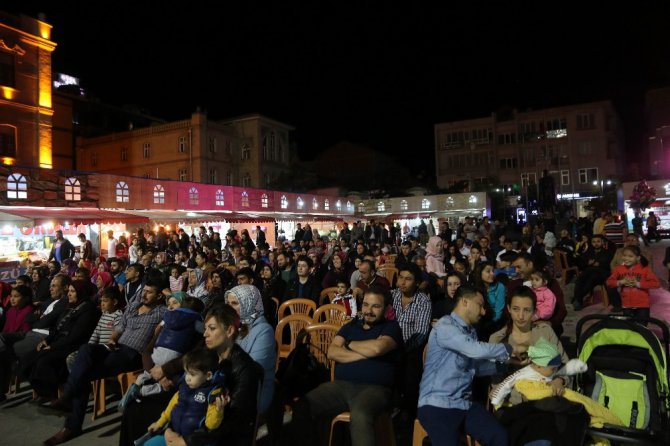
[138, 329]
[414, 319]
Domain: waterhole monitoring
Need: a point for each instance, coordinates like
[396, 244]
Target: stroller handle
[657, 322]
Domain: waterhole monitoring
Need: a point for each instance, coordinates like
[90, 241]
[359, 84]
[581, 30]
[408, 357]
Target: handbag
[301, 371]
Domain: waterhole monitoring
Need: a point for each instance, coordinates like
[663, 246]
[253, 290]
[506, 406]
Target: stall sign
[9, 271]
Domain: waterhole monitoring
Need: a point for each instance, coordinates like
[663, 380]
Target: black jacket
[49, 321]
[311, 290]
[66, 251]
[74, 327]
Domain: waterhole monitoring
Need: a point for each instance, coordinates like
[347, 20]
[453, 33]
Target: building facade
[580, 146]
[26, 108]
[657, 117]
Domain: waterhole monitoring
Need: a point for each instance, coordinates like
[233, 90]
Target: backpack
[301, 372]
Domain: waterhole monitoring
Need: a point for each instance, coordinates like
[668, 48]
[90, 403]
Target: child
[546, 299]
[545, 359]
[634, 280]
[344, 297]
[111, 315]
[20, 300]
[199, 401]
[177, 278]
[180, 326]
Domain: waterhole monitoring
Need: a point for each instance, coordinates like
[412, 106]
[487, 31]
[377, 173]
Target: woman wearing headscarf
[256, 337]
[45, 367]
[219, 281]
[40, 285]
[435, 256]
[102, 281]
[196, 285]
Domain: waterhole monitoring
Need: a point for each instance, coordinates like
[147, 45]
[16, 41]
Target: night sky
[352, 71]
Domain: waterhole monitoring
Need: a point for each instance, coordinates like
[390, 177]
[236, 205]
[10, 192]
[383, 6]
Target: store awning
[72, 216]
[404, 216]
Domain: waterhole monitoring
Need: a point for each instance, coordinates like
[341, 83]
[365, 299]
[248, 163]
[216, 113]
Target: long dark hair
[523, 292]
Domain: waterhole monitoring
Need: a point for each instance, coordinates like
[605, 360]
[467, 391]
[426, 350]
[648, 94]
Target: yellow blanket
[599, 414]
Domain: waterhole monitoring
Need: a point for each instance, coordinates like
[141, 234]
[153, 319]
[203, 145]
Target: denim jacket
[454, 357]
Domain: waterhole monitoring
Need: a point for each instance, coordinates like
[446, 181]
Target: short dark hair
[118, 260]
[370, 263]
[413, 269]
[380, 291]
[25, 278]
[201, 360]
[26, 292]
[465, 292]
[139, 268]
[112, 292]
[306, 259]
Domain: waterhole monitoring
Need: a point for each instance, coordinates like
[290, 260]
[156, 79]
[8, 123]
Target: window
[338, 205]
[146, 150]
[7, 70]
[159, 194]
[264, 200]
[183, 174]
[380, 206]
[403, 205]
[588, 175]
[472, 200]
[565, 177]
[193, 197]
[72, 189]
[229, 147]
[213, 176]
[299, 203]
[315, 204]
[326, 205]
[266, 155]
[122, 192]
[507, 138]
[350, 206]
[586, 121]
[528, 179]
[280, 153]
[283, 202]
[124, 153]
[17, 187]
[508, 163]
[229, 179]
[212, 144]
[7, 141]
[146, 175]
[246, 152]
[244, 202]
[181, 144]
[361, 207]
[557, 128]
[218, 197]
[450, 202]
[425, 204]
[94, 159]
[246, 180]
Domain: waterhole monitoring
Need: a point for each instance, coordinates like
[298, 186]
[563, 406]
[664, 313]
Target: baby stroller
[628, 373]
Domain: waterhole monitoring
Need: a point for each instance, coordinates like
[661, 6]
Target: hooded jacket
[179, 330]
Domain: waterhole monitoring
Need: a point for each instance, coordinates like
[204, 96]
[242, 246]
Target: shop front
[660, 207]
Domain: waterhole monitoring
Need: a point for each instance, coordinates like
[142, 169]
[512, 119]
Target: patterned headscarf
[251, 303]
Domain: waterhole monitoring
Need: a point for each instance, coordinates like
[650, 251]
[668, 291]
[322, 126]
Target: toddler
[177, 278]
[344, 297]
[200, 400]
[545, 359]
[546, 299]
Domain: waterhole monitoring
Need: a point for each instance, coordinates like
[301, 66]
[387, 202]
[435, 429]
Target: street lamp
[603, 198]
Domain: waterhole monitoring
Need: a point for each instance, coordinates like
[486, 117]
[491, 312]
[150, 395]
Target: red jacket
[634, 296]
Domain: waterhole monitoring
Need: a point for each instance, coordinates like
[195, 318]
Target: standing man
[260, 237]
[86, 248]
[111, 245]
[299, 232]
[365, 351]
[454, 357]
[652, 227]
[62, 248]
[637, 228]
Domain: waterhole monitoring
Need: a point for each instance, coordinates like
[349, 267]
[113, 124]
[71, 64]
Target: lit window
[122, 192]
[425, 204]
[338, 205]
[350, 206]
[403, 205]
[245, 200]
[264, 200]
[361, 207]
[472, 199]
[72, 189]
[146, 150]
[193, 197]
[219, 197]
[381, 207]
[315, 204]
[326, 205]
[450, 202]
[246, 152]
[17, 187]
[283, 202]
[159, 194]
[300, 203]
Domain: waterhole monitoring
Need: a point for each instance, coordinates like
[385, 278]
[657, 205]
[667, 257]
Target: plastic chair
[296, 322]
[334, 314]
[389, 272]
[384, 433]
[590, 298]
[320, 338]
[329, 293]
[561, 260]
[305, 307]
[99, 393]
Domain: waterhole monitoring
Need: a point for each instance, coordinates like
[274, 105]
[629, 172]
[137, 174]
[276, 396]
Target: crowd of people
[195, 316]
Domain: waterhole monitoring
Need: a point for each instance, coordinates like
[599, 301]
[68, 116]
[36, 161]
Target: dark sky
[360, 72]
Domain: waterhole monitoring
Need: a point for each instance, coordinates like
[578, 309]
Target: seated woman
[45, 367]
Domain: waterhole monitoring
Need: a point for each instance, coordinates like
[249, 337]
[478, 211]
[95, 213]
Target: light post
[602, 184]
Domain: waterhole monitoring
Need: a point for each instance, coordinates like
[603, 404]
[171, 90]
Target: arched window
[450, 202]
[122, 192]
[218, 197]
[338, 205]
[193, 197]
[425, 204]
[72, 189]
[403, 205]
[283, 202]
[315, 204]
[361, 207]
[159, 194]
[244, 202]
[17, 187]
[472, 200]
[326, 205]
[381, 207]
[300, 203]
[264, 200]
[350, 206]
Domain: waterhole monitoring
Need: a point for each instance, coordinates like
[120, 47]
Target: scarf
[251, 304]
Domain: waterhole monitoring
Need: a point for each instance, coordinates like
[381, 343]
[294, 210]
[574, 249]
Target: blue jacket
[179, 330]
[259, 343]
[454, 357]
[189, 412]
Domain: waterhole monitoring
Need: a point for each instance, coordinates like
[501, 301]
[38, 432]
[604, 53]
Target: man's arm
[338, 353]
[372, 348]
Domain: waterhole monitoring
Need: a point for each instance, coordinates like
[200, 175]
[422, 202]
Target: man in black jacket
[595, 269]
[62, 248]
[304, 286]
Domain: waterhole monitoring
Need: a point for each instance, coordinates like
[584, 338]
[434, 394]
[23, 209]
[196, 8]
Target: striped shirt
[414, 319]
[103, 331]
[138, 329]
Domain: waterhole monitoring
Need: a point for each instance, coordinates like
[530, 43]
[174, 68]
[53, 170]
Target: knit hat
[178, 296]
[544, 353]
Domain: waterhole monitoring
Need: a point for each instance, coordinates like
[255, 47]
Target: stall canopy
[73, 216]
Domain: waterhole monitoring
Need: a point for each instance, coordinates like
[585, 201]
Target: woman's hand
[173, 439]
[165, 383]
[156, 373]
[42, 345]
[557, 386]
[153, 427]
[221, 402]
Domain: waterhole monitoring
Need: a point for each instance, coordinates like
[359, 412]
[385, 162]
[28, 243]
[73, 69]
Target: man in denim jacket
[454, 357]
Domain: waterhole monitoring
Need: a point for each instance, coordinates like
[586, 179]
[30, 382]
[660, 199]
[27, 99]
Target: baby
[545, 359]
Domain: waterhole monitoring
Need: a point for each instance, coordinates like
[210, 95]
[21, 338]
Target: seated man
[594, 270]
[365, 351]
